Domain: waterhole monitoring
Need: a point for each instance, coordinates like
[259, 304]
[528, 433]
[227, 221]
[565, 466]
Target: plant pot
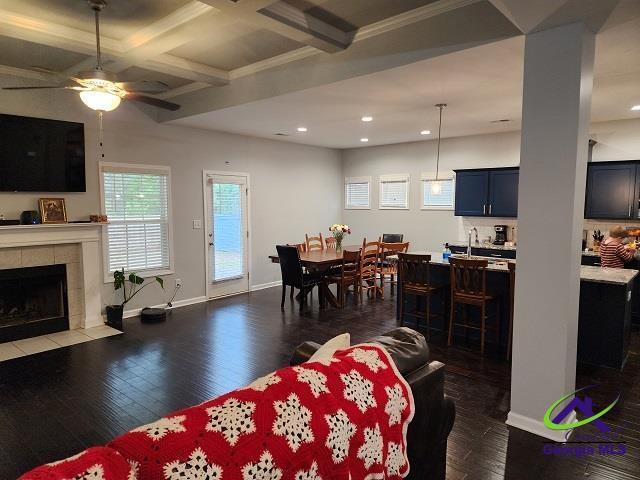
[114, 316]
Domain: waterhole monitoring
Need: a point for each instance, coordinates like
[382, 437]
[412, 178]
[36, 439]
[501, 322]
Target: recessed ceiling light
[302, 129]
[364, 140]
[367, 118]
[425, 132]
[635, 108]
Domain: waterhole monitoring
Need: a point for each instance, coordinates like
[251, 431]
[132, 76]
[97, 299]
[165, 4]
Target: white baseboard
[262, 286]
[180, 303]
[537, 427]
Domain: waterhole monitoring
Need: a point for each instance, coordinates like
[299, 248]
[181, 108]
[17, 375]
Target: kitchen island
[604, 327]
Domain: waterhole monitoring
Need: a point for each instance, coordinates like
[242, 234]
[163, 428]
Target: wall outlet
[178, 282]
[197, 224]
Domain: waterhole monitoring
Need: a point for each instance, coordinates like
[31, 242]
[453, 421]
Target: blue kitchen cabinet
[611, 191]
[503, 193]
[472, 193]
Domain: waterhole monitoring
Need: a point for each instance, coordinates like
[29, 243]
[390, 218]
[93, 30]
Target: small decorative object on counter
[446, 253]
[339, 231]
[131, 285]
[29, 217]
[597, 240]
[52, 210]
[97, 218]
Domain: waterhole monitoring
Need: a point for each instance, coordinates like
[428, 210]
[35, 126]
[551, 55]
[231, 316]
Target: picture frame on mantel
[52, 210]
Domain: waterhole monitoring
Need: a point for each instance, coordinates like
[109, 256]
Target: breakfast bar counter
[604, 327]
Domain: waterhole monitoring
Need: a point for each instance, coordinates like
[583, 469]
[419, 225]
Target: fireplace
[33, 301]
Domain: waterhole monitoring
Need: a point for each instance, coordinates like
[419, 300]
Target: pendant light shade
[436, 187]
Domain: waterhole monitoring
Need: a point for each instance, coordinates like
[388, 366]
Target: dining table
[321, 261]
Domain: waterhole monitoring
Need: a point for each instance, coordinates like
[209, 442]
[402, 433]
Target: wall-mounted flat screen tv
[40, 155]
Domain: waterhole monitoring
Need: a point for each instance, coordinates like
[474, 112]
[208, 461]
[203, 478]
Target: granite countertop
[491, 246]
[481, 245]
[617, 276]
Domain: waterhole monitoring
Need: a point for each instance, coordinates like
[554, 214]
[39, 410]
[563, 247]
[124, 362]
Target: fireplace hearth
[33, 301]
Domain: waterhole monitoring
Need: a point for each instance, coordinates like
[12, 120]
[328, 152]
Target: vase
[114, 316]
[338, 244]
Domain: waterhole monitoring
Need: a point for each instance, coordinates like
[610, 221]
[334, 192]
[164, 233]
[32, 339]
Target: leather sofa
[434, 412]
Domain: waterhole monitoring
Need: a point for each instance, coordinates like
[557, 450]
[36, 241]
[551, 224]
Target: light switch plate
[197, 224]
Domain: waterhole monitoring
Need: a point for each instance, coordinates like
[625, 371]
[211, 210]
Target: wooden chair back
[468, 277]
[350, 264]
[393, 248]
[331, 243]
[369, 259]
[314, 243]
[302, 247]
[414, 270]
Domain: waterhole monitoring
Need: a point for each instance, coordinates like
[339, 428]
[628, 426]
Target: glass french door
[227, 234]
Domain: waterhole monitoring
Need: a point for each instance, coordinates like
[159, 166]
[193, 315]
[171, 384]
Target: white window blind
[356, 192]
[137, 204]
[438, 200]
[394, 191]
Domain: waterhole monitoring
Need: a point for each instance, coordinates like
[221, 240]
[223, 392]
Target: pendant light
[436, 187]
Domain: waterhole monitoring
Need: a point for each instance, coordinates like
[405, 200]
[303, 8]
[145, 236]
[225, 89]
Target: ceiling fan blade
[144, 86]
[156, 102]
[32, 88]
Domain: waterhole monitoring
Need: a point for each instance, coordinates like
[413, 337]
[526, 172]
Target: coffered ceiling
[264, 66]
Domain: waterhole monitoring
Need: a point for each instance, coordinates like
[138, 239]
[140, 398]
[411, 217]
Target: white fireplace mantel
[87, 236]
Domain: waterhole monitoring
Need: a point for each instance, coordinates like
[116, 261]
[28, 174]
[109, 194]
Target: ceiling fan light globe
[436, 188]
[100, 101]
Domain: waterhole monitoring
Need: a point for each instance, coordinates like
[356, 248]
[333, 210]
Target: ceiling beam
[147, 54]
[286, 20]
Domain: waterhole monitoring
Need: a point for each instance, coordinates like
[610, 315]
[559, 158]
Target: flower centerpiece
[339, 231]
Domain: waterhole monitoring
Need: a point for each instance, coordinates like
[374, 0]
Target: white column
[558, 78]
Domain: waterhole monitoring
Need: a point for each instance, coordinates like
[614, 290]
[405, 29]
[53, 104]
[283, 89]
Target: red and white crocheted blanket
[345, 418]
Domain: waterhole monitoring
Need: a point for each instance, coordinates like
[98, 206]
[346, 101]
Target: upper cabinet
[503, 192]
[487, 192]
[611, 191]
[472, 190]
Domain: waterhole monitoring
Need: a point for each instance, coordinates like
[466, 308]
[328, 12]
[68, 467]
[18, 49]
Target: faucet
[469, 244]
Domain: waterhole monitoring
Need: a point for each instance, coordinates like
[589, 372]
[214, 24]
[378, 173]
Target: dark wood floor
[57, 403]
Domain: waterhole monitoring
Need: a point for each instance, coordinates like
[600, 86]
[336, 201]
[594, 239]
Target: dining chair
[415, 272]
[314, 243]
[293, 275]
[369, 268]
[469, 289]
[348, 275]
[331, 243]
[389, 262]
[392, 237]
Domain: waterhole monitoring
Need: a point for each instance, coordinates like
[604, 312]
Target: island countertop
[616, 276]
[491, 246]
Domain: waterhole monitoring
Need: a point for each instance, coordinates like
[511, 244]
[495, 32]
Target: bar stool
[512, 291]
[414, 271]
[469, 288]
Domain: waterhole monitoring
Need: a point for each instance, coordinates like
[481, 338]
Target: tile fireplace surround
[73, 245]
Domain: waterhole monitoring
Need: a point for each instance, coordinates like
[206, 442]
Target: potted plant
[131, 285]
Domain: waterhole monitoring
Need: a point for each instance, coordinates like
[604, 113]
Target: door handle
[484, 209]
[211, 244]
[490, 205]
[629, 210]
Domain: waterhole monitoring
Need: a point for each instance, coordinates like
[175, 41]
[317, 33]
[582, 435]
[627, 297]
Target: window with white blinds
[440, 197]
[394, 191]
[356, 192]
[136, 201]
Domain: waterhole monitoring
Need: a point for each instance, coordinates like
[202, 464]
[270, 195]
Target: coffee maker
[501, 234]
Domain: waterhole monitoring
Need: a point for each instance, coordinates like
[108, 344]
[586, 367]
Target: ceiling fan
[100, 89]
